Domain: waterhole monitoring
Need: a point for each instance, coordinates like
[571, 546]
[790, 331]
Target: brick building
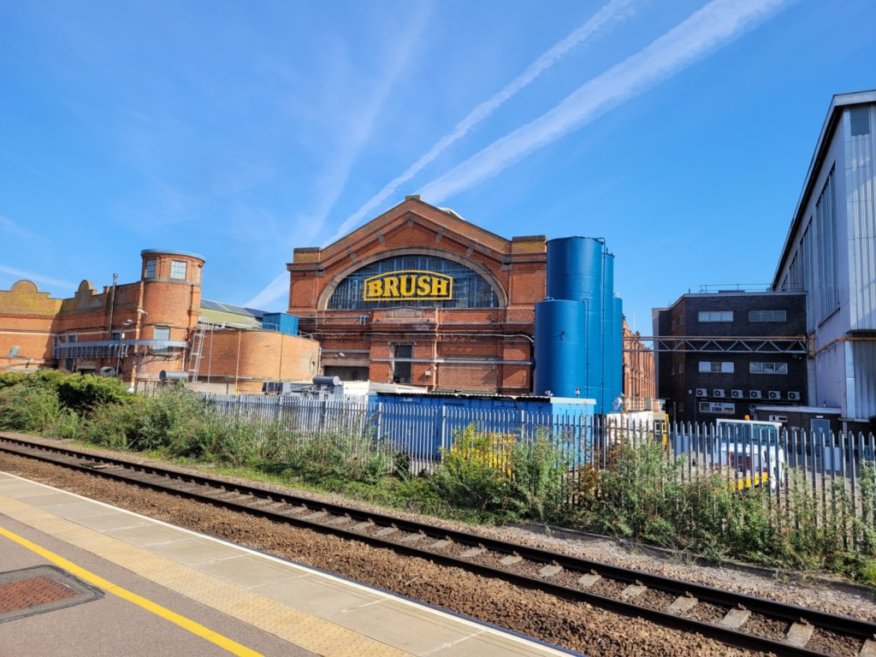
[639, 376]
[421, 296]
[734, 350]
[139, 330]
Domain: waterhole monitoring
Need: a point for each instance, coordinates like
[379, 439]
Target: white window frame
[721, 408]
[761, 367]
[716, 367]
[165, 330]
[178, 269]
[715, 316]
[149, 268]
[767, 316]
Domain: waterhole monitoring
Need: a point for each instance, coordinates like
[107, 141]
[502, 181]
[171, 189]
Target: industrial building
[721, 353]
[417, 296]
[420, 296]
[155, 329]
[817, 321]
[830, 254]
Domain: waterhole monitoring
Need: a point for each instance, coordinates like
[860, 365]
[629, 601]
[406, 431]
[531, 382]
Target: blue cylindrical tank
[606, 331]
[574, 267]
[560, 342]
[617, 365]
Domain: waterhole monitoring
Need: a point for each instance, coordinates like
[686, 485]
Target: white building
[830, 253]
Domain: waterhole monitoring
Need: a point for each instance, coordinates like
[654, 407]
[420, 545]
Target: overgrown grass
[641, 496]
[484, 477]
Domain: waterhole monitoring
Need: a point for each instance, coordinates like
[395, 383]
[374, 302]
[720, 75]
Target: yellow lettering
[408, 285]
[424, 286]
[374, 289]
[391, 287]
[439, 287]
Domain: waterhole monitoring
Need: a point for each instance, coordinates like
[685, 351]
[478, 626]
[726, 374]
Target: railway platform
[82, 578]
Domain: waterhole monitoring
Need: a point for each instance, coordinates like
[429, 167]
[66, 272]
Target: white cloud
[706, 30]
[614, 11]
[36, 278]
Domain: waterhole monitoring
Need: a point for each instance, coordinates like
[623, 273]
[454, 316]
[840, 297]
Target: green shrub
[84, 393]
[29, 408]
[472, 474]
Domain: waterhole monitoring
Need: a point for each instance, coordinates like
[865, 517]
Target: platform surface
[171, 591]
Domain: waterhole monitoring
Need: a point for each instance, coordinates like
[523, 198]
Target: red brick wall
[485, 335]
[251, 357]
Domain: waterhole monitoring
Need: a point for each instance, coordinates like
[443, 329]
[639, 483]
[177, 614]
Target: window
[715, 316]
[768, 368]
[827, 294]
[401, 364]
[724, 408]
[161, 333]
[859, 120]
[178, 269]
[470, 289]
[149, 272]
[716, 367]
[767, 316]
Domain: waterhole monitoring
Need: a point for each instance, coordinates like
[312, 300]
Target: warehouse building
[830, 254]
[421, 296]
[155, 329]
[818, 318]
[418, 296]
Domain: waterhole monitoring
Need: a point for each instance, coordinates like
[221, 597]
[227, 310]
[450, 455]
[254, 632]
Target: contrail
[615, 11]
[37, 278]
[706, 30]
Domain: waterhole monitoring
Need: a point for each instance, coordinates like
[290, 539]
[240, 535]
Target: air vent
[754, 394]
[701, 392]
[794, 396]
[774, 394]
[737, 394]
[719, 393]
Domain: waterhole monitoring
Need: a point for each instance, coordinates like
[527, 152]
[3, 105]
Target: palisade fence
[817, 479]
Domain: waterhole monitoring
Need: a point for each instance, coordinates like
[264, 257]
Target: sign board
[410, 285]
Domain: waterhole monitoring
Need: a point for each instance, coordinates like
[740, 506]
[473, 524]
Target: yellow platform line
[163, 612]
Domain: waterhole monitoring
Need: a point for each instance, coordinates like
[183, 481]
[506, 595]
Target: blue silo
[560, 342]
[578, 341]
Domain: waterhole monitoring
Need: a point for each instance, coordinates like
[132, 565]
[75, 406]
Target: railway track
[735, 619]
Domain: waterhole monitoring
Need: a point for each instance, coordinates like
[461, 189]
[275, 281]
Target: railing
[829, 479]
[110, 348]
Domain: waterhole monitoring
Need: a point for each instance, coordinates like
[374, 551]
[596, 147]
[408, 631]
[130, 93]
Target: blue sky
[680, 131]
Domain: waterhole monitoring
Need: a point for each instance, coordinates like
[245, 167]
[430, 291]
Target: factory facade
[830, 254]
[417, 296]
[152, 330]
[809, 341]
[420, 296]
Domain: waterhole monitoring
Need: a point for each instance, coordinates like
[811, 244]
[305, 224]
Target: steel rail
[94, 464]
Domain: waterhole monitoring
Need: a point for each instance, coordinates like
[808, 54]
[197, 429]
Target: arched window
[470, 289]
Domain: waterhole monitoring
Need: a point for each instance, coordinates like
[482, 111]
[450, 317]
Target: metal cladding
[574, 268]
[578, 328]
[559, 343]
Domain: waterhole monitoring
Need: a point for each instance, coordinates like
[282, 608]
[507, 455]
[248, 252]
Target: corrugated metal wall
[861, 204]
[864, 354]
